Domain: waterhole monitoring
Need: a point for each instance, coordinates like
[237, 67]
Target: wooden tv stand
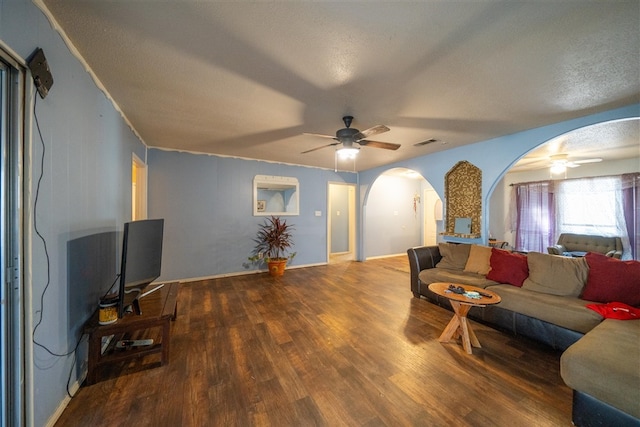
[157, 310]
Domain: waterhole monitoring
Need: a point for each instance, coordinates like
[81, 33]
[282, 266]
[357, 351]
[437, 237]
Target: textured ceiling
[247, 79]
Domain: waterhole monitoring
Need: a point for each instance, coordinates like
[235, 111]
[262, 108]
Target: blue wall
[85, 193]
[206, 202]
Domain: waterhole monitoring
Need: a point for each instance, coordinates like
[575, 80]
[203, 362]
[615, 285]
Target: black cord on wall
[46, 253]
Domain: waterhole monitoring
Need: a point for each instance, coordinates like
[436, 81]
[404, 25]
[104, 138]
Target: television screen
[141, 258]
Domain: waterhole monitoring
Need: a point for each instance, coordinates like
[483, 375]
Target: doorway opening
[138, 189]
[341, 217]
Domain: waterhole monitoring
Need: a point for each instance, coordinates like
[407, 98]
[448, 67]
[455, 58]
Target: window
[604, 206]
[590, 206]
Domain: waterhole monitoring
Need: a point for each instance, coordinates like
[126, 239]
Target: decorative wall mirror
[275, 195]
[463, 198]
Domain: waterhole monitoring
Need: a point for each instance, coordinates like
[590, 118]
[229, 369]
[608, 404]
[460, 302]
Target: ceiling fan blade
[378, 144]
[320, 135]
[580, 162]
[376, 130]
[318, 148]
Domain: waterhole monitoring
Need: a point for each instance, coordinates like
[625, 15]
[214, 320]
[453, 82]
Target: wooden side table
[157, 310]
[459, 326]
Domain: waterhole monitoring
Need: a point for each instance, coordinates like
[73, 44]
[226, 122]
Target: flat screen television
[141, 259]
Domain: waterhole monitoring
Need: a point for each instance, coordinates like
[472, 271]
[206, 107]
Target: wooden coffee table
[459, 325]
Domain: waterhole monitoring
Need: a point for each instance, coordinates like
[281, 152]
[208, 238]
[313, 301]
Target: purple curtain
[631, 203]
[535, 225]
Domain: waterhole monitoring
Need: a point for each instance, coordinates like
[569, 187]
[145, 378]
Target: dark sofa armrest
[421, 258]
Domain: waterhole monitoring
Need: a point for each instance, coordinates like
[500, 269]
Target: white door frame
[351, 252]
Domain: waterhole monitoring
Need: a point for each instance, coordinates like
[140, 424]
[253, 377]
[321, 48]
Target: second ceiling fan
[352, 138]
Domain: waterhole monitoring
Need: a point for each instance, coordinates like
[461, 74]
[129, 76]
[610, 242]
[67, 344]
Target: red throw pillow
[508, 267]
[612, 280]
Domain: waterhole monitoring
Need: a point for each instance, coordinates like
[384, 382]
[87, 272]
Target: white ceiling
[247, 79]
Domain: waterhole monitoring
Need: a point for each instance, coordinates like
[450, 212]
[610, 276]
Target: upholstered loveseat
[579, 244]
[545, 297]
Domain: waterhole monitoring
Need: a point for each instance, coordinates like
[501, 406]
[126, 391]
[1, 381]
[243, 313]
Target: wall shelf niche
[275, 195]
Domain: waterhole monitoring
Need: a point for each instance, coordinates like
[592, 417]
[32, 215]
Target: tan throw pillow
[556, 275]
[479, 260]
[454, 257]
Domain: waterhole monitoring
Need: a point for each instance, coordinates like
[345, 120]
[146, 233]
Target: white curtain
[592, 206]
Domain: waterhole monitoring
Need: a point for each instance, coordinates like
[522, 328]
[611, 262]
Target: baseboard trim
[385, 256]
[73, 389]
[242, 273]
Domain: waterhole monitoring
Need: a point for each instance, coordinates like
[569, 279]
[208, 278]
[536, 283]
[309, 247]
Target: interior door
[341, 217]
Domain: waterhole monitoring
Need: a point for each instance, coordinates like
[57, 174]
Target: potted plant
[272, 242]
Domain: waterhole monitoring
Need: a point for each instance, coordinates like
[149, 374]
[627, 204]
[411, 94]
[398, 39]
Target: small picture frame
[261, 205]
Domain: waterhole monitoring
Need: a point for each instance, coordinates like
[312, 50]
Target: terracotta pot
[276, 267]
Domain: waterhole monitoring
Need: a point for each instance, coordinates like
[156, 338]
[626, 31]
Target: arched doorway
[402, 210]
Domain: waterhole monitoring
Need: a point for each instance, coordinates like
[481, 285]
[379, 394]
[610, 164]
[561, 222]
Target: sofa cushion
[508, 267]
[479, 260]
[454, 257]
[611, 280]
[432, 275]
[604, 364]
[556, 275]
[568, 312]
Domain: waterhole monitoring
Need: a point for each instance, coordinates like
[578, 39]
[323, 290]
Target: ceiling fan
[352, 139]
[557, 162]
[560, 163]
[562, 160]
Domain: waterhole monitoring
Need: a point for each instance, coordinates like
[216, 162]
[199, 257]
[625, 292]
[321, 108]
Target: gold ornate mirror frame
[463, 196]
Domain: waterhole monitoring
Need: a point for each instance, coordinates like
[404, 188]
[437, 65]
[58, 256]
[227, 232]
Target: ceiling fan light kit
[347, 152]
[558, 169]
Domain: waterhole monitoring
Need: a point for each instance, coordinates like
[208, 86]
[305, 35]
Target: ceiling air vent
[428, 141]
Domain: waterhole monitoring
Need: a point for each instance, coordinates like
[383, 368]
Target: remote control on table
[133, 343]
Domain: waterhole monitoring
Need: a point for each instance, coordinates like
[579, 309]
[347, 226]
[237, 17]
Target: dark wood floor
[344, 344]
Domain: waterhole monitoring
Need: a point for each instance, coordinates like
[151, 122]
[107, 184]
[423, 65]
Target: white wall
[391, 224]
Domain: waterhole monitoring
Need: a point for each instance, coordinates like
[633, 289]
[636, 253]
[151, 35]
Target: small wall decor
[416, 202]
[463, 198]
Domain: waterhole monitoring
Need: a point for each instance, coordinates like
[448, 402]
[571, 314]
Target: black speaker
[40, 71]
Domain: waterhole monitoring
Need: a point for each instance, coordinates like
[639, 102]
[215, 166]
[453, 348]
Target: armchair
[578, 244]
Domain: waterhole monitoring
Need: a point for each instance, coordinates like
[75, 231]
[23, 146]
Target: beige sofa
[542, 299]
[579, 244]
